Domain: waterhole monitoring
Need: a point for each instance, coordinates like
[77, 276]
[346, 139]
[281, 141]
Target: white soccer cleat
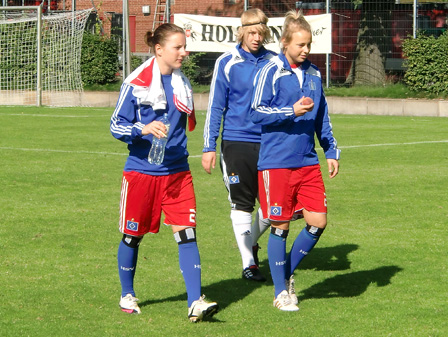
[292, 290]
[284, 303]
[129, 304]
[201, 308]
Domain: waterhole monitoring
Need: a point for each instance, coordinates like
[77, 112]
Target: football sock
[302, 245]
[277, 258]
[241, 223]
[127, 262]
[189, 263]
[259, 226]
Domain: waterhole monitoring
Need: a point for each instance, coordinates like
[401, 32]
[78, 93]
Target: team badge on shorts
[276, 210]
[132, 225]
[234, 180]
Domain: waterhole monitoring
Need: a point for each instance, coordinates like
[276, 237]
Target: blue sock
[303, 244]
[190, 266]
[277, 258]
[127, 263]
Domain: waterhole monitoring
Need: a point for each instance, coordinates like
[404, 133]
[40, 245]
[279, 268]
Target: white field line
[393, 144]
[199, 156]
[62, 151]
[57, 116]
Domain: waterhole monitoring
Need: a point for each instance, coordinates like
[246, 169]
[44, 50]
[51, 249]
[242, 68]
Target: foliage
[191, 68]
[427, 62]
[99, 59]
[135, 62]
[108, 87]
[14, 68]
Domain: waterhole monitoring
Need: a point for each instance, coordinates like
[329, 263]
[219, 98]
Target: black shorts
[240, 173]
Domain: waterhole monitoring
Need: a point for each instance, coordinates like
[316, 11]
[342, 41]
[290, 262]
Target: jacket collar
[287, 66]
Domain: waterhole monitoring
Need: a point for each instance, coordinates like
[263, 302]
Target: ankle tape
[185, 236]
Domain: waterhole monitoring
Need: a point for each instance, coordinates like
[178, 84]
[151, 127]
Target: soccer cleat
[291, 290]
[201, 308]
[255, 250]
[284, 303]
[253, 273]
[129, 304]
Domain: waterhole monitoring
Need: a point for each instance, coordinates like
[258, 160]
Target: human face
[171, 54]
[297, 50]
[252, 40]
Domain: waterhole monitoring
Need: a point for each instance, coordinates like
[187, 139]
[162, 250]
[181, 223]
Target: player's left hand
[333, 167]
[300, 109]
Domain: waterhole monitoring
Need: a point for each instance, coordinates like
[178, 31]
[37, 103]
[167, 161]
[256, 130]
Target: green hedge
[427, 63]
[99, 59]
[191, 68]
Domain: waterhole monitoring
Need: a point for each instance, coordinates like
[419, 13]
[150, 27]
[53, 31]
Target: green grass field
[380, 269]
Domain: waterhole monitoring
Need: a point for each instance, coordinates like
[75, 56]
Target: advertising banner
[218, 34]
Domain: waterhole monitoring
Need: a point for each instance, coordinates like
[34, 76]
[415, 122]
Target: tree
[373, 43]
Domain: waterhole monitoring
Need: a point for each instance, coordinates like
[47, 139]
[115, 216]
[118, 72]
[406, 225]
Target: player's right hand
[156, 128]
[208, 161]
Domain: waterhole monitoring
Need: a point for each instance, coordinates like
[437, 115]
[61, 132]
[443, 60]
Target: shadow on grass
[232, 290]
[351, 284]
[329, 258]
[224, 292]
[229, 291]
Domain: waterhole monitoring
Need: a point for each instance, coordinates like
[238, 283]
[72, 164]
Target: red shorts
[144, 197]
[285, 191]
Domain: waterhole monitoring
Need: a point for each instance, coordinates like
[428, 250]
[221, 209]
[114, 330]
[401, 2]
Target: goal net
[59, 81]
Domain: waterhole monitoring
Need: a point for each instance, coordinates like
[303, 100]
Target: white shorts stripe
[123, 201]
[266, 189]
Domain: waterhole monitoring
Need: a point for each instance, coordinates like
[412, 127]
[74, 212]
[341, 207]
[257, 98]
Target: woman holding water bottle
[151, 116]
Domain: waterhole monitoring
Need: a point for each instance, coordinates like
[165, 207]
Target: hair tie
[253, 24]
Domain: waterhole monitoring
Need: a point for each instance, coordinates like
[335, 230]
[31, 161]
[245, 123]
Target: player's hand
[156, 128]
[208, 161]
[333, 167]
[299, 109]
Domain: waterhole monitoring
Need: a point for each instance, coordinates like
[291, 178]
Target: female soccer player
[155, 88]
[289, 173]
[230, 97]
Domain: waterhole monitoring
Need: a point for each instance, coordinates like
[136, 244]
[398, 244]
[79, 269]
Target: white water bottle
[157, 151]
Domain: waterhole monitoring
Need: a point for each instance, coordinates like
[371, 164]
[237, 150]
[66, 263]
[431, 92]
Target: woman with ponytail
[290, 105]
[156, 89]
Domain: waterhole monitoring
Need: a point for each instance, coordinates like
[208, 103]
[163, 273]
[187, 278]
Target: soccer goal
[40, 56]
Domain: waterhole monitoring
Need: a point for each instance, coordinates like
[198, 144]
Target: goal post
[40, 56]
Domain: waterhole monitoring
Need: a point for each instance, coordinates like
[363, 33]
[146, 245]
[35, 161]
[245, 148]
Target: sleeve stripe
[259, 94]
[260, 85]
[210, 101]
[114, 127]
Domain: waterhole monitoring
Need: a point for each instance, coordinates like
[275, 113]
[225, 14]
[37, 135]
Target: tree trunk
[374, 43]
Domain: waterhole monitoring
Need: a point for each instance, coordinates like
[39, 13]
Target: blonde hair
[294, 21]
[257, 19]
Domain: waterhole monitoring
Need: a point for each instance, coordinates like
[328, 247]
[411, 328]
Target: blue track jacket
[230, 97]
[287, 141]
[128, 120]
